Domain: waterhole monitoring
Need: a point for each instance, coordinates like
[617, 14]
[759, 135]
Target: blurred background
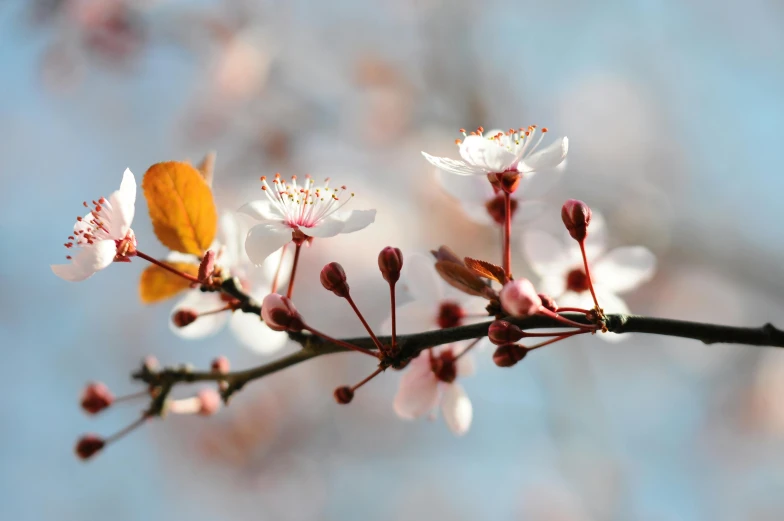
[674, 111]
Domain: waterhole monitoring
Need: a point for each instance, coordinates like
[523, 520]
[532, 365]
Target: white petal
[466, 189]
[537, 184]
[478, 213]
[457, 409]
[128, 187]
[264, 239]
[329, 227]
[465, 365]
[623, 269]
[87, 261]
[609, 301]
[546, 158]
[422, 280]
[418, 392]
[230, 241]
[553, 285]
[175, 256]
[358, 220]
[261, 211]
[545, 254]
[527, 211]
[123, 203]
[205, 326]
[255, 334]
[413, 317]
[268, 269]
[453, 166]
[486, 154]
[570, 299]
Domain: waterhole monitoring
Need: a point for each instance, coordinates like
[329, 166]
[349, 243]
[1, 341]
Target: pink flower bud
[207, 266]
[344, 395]
[96, 397]
[220, 365]
[548, 302]
[210, 402]
[333, 278]
[390, 262]
[519, 298]
[280, 314]
[502, 332]
[184, 317]
[508, 355]
[88, 445]
[576, 217]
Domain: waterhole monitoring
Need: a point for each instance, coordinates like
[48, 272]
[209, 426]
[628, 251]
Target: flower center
[495, 207]
[577, 281]
[450, 314]
[305, 205]
[126, 247]
[444, 366]
[93, 227]
[521, 142]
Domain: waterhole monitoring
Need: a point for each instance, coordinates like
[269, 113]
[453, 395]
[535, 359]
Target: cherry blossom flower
[307, 211]
[247, 328]
[102, 236]
[499, 152]
[614, 272]
[430, 381]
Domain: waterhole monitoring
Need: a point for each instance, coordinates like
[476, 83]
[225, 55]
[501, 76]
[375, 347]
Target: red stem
[576, 310]
[468, 348]
[394, 313]
[507, 265]
[376, 341]
[588, 273]
[556, 339]
[277, 271]
[227, 307]
[340, 342]
[167, 267]
[366, 380]
[130, 428]
[294, 269]
[546, 312]
[133, 396]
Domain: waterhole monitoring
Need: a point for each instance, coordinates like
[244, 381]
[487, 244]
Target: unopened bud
[280, 314]
[96, 397]
[508, 355]
[220, 365]
[390, 262]
[210, 402]
[503, 332]
[333, 278]
[207, 266]
[576, 217]
[519, 298]
[88, 445]
[184, 317]
[548, 302]
[344, 395]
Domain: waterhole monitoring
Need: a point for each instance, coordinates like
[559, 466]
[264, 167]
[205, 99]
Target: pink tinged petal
[570, 299]
[470, 189]
[270, 266]
[175, 256]
[453, 166]
[229, 243]
[537, 184]
[358, 220]
[546, 158]
[261, 211]
[422, 280]
[418, 392]
[486, 154]
[609, 301]
[264, 239]
[477, 212]
[325, 229]
[465, 365]
[254, 334]
[623, 269]
[87, 261]
[553, 285]
[413, 317]
[527, 211]
[546, 255]
[123, 206]
[204, 326]
[457, 409]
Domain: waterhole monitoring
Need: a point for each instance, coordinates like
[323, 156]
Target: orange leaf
[181, 207]
[460, 277]
[157, 284]
[486, 269]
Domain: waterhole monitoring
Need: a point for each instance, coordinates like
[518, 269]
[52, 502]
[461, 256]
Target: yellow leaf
[157, 284]
[181, 207]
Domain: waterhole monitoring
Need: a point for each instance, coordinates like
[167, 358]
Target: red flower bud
[210, 402]
[548, 302]
[220, 365]
[502, 332]
[280, 314]
[576, 217]
[184, 317]
[344, 395]
[88, 445]
[390, 262]
[333, 278]
[444, 366]
[508, 355]
[207, 266]
[96, 397]
[519, 298]
[496, 207]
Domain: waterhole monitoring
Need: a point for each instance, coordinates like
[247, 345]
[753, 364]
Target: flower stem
[227, 307]
[546, 312]
[394, 313]
[167, 267]
[556, 339]
[468, 348]
[294, 269]
[277, 271]
[130, 428]
[133, 396]
[376, 341]
[366, 380]
[588, 273]
[340, 342]
[575, 310]
[507, 264]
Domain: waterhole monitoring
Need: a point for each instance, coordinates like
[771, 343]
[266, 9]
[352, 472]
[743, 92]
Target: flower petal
[203, 326]
[175, 256]
[87, 261]
[413, 317]
[422, 280]
[534, 185]
[457, 409]
[527, 211]
[609, 301]
[123, 203]
[255, 334]
[466, 189]
[549, 157]
[358, 220]
[418, 392]
[553, 285]
[545, 254]
[453, 166]
[261, 211]
[264, 239]
[466, 365]
[326, 228]
[477, 212]
[486, 154]
[230, 241]
[623, 269]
